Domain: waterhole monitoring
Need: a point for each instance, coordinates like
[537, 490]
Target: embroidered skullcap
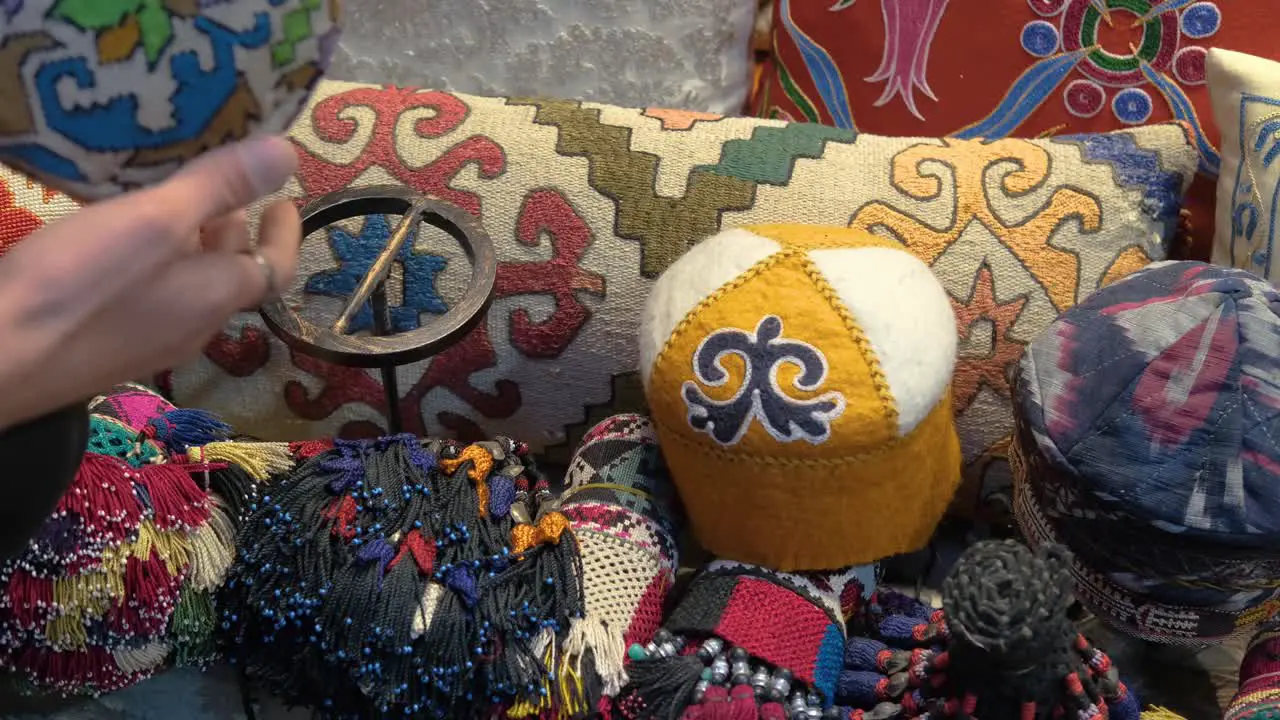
[623, 511]
[1148, 418]
[769, 644]
[1258, 695]
[799, 377]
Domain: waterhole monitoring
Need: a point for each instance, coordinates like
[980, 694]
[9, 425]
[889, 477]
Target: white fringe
[145, 658]
[608, 650]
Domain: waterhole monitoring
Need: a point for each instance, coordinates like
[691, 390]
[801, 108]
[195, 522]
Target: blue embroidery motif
[1136, 167]
[355, 256]
[1259, 150]
[760, 397]
[113, 126]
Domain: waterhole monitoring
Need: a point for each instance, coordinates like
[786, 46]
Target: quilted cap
[1162, 392]
[1148, 418]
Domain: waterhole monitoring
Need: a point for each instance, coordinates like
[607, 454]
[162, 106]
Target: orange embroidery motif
[1018, 167]
[973, 372]
[678, 119]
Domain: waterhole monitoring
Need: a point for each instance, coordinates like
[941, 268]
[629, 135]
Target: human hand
[142, 282]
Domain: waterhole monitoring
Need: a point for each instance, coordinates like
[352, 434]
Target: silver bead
[779, 685]
[700, 691]
[813, 713]
[741, 672]
[760, 681]
[797, 702]
[720, 670]
[711, 647]
[813, 699]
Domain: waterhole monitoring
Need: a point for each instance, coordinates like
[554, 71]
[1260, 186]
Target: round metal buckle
[381, 349]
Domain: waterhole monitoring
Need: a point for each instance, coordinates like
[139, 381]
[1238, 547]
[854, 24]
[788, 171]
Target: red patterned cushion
[1023, 68]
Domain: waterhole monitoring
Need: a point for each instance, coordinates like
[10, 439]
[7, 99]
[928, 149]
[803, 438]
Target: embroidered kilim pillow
[587, 204]
[1246, 99]
[1023, 68]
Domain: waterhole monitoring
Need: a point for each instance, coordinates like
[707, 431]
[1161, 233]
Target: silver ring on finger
[268, 273]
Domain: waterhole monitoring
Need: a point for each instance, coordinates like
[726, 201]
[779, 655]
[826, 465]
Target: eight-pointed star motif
[355, 255]
[974, 372]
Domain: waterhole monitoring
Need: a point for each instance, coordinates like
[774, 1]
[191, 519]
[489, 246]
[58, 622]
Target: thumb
[230, 178]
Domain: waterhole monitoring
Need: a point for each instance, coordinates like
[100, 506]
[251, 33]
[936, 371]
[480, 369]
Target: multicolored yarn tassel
[390, 577]
[120, 580]
[1002, 647]
[180, 429]
[1258, 696]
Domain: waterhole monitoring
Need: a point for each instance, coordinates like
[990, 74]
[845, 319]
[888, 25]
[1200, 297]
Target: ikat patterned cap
[1148, 442]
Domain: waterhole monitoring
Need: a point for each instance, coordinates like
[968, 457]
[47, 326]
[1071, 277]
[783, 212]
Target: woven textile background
[1024, 68]
[587, 204]
[692, 54]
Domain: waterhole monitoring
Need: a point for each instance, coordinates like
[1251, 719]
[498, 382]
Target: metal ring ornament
[401, 348]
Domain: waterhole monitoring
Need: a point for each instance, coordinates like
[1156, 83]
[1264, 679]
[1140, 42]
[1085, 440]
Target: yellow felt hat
[799, 379]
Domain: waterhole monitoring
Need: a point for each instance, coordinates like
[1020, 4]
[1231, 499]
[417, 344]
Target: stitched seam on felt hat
[740, 280]
[737, 456]
[878, 379]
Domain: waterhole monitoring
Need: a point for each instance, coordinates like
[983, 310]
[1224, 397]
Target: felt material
[1146, 447]
[1014, 68]
[588, 204]
[1246, 100]
[812, 407]
[104, 96]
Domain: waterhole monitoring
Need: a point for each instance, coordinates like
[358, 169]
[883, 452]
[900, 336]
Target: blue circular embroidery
[1040, 38]
[1132, 106]
[1260, 259]
[1201, 20]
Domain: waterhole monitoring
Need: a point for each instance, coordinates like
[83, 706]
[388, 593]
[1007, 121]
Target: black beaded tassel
[375, 581]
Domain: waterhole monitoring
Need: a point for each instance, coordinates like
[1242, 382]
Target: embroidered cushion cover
[1246, 99]
[101, 96]
[1024, 68]
[692, 54]
[587, 204]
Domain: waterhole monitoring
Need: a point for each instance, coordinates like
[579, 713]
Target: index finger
[109, 246]
[227, 179]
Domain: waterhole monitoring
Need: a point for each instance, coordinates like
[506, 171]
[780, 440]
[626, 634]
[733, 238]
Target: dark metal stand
[384, 349]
